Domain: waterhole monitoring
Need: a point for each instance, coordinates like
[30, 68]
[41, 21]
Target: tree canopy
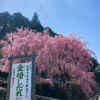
[62, 58]
[35, 23]
[9, 23]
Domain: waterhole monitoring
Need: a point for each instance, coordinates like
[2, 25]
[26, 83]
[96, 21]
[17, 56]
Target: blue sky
[63, 16]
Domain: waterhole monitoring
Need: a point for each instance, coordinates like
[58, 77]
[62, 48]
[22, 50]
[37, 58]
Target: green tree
[49, 31]
[9, 23]
[35, 23]
[94, 64]
[4, 20]
[18, 21]
[97, 68]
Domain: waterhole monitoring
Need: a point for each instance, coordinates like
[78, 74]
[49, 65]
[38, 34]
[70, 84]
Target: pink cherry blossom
[66, 55]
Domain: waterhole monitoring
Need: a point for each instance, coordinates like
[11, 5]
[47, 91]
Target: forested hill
[9, 23]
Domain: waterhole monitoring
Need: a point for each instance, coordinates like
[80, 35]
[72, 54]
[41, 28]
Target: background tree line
[9, 23]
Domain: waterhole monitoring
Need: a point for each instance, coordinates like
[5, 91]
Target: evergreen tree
[35, 23]
[49, 31]
[9, 23]
[18, 21]
[4, 20]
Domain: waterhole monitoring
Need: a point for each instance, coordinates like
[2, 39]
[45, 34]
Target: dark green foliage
[4, 20]
[51, 33]
[35, 23]
[77, 93]
[18, 21]
[62, 94]
[3, 30]
[96, 69]
[97, 73]
[97, 77]
[94, 64]
[9, 23]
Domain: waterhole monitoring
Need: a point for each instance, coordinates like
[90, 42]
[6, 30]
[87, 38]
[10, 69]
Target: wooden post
[33, 94]
[9, 79]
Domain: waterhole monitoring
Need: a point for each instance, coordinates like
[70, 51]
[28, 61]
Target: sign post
[21, 80]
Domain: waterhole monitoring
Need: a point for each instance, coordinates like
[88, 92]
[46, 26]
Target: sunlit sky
[63, 16]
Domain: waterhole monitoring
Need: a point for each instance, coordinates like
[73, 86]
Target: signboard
[21, 81]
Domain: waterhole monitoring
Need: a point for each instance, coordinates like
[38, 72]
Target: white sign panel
[20, 87]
